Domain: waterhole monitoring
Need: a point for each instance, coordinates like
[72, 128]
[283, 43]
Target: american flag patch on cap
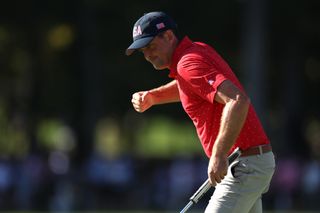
[160, 25]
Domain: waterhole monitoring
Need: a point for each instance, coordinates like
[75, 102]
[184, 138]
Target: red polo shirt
[199, 70]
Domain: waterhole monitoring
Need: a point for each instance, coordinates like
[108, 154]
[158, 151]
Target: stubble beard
[158, 64]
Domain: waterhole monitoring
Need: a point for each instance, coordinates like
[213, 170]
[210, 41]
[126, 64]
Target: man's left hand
[217, 169]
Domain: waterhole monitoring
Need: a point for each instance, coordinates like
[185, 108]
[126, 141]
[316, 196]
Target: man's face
[159, 51]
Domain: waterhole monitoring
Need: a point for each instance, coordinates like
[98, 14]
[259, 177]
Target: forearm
[233, 117]
[167, 93]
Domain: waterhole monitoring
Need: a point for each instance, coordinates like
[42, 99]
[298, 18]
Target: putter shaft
[187, 207]
[206, 185]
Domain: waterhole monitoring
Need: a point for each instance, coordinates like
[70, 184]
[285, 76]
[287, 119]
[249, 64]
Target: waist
[256, 150]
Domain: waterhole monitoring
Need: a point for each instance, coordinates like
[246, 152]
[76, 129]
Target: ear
[170, 36]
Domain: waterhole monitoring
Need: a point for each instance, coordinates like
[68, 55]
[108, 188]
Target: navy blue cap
[147, 27]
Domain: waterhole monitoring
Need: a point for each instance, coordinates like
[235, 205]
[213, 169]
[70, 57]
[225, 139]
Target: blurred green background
[70, 140]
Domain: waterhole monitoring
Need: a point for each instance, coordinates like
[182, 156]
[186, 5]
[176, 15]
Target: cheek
[160, 53]
[165, 54]
[162, 50]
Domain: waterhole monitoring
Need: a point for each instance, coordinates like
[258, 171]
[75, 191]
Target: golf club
[206, 185]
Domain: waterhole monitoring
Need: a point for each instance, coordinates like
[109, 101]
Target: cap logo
[160, 26]
[136, 31]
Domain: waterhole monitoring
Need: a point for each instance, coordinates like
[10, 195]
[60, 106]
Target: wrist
[152, 97]
[219, 152]
[218, 155]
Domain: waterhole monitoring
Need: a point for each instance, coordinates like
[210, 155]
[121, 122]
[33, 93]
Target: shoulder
[194, 57]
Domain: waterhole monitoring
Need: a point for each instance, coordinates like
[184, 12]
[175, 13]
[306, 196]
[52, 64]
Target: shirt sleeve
[201, 74]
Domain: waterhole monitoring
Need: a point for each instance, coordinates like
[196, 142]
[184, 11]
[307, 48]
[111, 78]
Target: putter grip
[206, 185]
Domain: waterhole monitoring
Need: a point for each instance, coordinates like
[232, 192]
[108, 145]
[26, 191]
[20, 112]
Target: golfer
[218, 106]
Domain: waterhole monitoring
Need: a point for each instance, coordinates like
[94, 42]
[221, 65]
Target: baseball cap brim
[137, 44]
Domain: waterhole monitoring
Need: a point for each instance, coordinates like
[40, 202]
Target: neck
[175, 44]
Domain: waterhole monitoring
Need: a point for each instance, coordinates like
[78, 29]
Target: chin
[157, 67]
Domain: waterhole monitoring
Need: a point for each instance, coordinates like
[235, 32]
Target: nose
[146, 54]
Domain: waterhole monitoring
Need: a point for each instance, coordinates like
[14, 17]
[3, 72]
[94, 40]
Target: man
[215, 101]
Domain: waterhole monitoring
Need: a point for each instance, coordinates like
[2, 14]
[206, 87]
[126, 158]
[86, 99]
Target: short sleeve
[201, 75]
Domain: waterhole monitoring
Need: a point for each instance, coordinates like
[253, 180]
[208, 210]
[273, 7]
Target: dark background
[70, 140]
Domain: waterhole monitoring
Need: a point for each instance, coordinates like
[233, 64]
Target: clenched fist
[142, 101]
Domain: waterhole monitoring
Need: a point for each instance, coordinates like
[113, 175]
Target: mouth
[152, 59]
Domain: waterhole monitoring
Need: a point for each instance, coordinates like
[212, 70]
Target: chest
[193, 104]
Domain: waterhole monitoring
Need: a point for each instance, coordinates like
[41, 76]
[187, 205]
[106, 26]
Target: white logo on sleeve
[211, 82]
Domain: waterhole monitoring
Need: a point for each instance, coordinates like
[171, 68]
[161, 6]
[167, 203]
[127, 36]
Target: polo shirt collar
[177, 54]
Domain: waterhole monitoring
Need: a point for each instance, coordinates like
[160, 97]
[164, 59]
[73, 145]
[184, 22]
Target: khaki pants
[241, 189]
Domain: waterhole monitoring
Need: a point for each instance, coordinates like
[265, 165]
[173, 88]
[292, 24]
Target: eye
[152, 46]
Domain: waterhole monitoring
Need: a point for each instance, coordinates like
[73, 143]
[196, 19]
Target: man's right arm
[167, 93]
